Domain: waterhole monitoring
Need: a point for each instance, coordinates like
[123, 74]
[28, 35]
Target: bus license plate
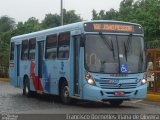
[119, 93]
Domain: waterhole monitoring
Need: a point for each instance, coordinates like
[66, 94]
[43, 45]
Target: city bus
[99, 60]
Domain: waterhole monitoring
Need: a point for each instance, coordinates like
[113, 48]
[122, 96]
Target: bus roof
[68, 27]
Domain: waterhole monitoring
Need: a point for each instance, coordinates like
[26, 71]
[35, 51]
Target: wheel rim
[65, 95]
[26, 90]
[26, 87]
[66, 92]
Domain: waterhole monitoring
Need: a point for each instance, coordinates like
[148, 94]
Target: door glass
[40, 58]
[76, 63]
[18, 57]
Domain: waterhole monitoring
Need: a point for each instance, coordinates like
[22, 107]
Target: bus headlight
[143, 81]
[89, 79]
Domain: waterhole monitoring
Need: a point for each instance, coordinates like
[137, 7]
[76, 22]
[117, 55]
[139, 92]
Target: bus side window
[64, 45]
[12, 51]
[32, 46]
[24, 52]
[51, 47]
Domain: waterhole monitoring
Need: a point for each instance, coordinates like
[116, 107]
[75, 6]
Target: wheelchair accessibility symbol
[124, 68]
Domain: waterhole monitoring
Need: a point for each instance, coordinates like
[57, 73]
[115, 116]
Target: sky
[21, 10]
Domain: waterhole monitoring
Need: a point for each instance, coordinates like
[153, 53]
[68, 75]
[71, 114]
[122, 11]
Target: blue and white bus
[92, 60]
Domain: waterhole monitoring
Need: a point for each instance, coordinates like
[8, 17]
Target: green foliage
[71, 17]
[51, 20]
[31, 25]
[54, 20]
[126, 10]
[102, 15]
[6, 23]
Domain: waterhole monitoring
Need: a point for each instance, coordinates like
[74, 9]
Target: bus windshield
[114, 53]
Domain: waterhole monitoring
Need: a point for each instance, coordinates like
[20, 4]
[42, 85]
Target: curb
[4, 79]
[153, 97]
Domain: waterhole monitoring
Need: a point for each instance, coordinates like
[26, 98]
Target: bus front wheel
[65, 94]
[116, 103]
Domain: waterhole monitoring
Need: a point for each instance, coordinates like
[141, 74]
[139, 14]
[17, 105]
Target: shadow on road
[102, 105]
[79, 103]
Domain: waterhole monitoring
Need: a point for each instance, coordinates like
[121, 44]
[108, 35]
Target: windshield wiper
[125, 51]
[129, 42]
[127, 47]
[113, 50]
[106, 41]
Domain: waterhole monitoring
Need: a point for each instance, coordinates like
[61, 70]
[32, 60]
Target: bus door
[17, 82]
[76, 64]
[40, 62]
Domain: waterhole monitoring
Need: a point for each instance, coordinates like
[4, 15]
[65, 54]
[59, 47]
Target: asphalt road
[12, 101]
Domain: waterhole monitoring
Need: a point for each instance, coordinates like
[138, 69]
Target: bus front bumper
[95, 93]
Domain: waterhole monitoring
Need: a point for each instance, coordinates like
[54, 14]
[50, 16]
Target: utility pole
[61, 12]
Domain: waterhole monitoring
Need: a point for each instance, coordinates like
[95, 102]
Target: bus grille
[105, 84]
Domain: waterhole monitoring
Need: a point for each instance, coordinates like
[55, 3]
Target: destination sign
[112, 27]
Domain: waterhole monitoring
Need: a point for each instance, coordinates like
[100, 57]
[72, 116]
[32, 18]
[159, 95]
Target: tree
[51, 20]
[70, 17]
[126, 10]
[102, 15]
[94, 15]
[6, 24]
[31, 25]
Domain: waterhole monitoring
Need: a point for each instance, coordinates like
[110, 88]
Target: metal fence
[153, 70]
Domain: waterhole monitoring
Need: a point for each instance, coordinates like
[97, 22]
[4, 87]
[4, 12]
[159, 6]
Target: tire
[65, 94]
[26, 88]
[116, 103]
